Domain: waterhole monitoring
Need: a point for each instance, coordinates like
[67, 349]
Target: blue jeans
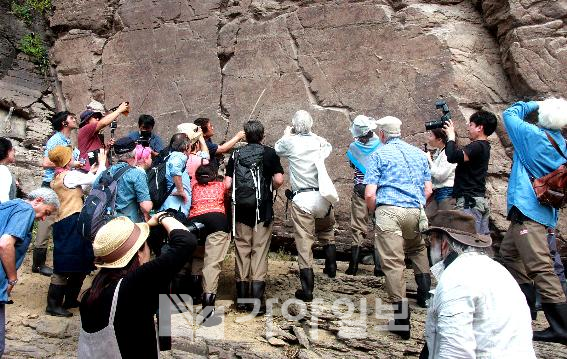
[442, 193]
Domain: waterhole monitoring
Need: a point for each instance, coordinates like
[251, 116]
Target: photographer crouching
[145, 135]
[117, 312]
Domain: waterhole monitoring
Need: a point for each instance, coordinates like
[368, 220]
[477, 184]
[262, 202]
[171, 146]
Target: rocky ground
[340, 333]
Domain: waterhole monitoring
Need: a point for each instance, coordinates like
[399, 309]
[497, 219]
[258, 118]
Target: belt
[311, 189]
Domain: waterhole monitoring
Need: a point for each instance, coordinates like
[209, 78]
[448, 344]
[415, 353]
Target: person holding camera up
[472, 166]
[214, 149]
[538, 150]
[442, 173]
[117, 311]
[63, 123]
[93, 121]
[145, 136]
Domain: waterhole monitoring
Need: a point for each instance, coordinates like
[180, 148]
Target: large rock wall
[180, 59]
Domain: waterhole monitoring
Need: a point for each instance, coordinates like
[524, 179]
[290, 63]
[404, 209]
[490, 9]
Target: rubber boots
[258, 288]
[196, 289]
[54, 300]
[208, 301]
[38, 262]
[72, 290]
[353, 265]
[242, 292]
[377, 267]
[401, 323]
[330, 260]
[423, 281]
[556, 314]
[529, 291]
[306, 277]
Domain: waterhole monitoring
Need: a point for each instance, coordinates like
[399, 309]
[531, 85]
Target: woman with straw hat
[72, 255]
[117, 312]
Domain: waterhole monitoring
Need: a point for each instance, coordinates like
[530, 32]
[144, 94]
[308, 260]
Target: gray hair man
[477, 309]
[312, 215]
[16, 222]
[398, 182]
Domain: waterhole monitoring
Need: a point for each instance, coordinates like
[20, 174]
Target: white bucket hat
[361, 125]
[191, 130]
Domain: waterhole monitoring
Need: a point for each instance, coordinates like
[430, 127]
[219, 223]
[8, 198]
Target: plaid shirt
[400, 171]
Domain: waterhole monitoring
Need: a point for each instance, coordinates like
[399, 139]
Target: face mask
[435, 253]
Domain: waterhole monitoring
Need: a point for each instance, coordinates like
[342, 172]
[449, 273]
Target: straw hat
[60, 155]
[191, 130]
[118, 241]
[460, 226]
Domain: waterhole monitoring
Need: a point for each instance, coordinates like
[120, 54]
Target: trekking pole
[113, 126]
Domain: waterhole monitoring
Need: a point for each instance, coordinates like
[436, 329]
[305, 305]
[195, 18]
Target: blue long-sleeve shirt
[534, 156]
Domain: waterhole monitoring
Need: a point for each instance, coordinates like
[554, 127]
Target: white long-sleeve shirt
[478, 311]
[442, 172]
[7, 189]
[77, 178]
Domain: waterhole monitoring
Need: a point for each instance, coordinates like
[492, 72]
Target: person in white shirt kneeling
[477, 309]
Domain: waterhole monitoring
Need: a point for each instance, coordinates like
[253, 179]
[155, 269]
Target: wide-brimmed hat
[460, 226]
[60, 155]
[361, 125]
[87, 115]
[118, 241]
[191, 130]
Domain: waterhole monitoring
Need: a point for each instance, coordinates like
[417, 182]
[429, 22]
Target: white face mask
[435, 253]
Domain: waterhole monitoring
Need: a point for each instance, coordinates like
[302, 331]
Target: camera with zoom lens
[198, 229]
[440, 122]
[144, 138]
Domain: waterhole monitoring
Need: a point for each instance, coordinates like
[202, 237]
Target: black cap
[124, 145]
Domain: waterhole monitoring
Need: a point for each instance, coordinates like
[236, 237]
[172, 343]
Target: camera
[440, 122]
[144, 138]
[113, 125]
[93, 157]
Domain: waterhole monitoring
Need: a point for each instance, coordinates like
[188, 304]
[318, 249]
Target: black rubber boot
[72, 290]
[529, 291]
[377, 267]
[208, 308]
[257, 291]
[423, 281]
[354, 256]
[330, 260]
[179, 284]
[196, 289]
[54, 300]
[402, 326]
[556, 314]
[242, 292]
[38, 262]
[306, 277]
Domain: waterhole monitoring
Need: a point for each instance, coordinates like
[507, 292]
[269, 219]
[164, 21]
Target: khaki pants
[43, 232]
[306, 227]
[216, 248]
[397, 233]
[525, 253]
[252, 248]
[358, 219]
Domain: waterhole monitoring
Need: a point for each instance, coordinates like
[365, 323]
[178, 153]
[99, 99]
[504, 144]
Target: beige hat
[191, 130]
[118, 241]
[96, 106]
[391, 125]
[60, 155]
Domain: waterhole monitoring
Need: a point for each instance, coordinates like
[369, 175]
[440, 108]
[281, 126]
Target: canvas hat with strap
[460, 226]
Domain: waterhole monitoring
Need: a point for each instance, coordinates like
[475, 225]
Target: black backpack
[157, 184]
[100, 204]
[248, 178]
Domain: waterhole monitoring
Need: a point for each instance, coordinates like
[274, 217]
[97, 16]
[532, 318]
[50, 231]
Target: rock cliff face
[180, 59]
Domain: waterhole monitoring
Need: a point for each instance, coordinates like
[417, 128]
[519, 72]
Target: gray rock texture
[179, 60]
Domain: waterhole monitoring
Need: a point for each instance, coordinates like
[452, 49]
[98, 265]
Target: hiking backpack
[100, 205]
[157, 184]
[249, 185]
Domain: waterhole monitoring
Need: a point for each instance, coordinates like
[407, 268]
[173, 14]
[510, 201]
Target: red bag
[550, 189]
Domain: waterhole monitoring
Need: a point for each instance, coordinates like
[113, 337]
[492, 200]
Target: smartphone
[93, 157]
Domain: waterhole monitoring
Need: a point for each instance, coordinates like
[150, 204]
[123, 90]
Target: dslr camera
[144, 138]
[440, 122]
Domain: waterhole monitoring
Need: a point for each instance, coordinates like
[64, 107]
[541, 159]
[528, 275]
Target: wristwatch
[12, 282]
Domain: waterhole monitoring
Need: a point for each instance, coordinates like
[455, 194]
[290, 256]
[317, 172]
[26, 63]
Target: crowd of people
[427, 207]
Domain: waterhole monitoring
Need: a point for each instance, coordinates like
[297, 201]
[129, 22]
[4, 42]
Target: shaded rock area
[329, 327]
[234, 60]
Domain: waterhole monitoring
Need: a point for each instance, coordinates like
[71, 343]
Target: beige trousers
[43, 232]
[525, 253]
[216, 248]
[306, 228]
[397, 232]
[252, 247]
[358, 219]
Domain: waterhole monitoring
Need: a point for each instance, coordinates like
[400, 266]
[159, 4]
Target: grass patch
[281, 255]
[26, 9]
[33, 46]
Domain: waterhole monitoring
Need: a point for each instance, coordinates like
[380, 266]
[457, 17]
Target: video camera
[144, 138]
[440, 122]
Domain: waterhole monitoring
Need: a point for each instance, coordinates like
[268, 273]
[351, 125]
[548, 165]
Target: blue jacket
[534, 156]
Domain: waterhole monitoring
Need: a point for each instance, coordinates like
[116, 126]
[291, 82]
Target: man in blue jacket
[524, 249]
